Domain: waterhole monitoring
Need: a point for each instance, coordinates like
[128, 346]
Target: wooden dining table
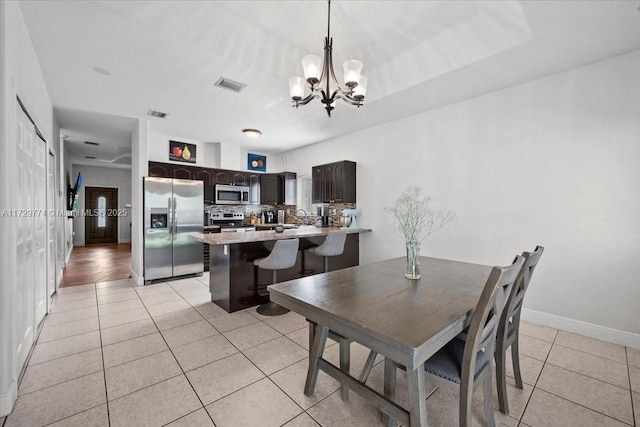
[406, 321]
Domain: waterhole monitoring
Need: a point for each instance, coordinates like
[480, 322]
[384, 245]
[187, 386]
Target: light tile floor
[116, 354]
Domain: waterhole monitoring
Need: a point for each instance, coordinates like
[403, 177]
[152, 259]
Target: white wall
[139, 168]
[94, 176]
[20, 74]
[551, 162]
[208, 154]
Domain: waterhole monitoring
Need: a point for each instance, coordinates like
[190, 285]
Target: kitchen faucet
[305, 215]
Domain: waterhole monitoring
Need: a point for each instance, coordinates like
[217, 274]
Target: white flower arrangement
[414, 220]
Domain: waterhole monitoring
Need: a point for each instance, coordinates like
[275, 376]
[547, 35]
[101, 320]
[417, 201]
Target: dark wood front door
[101, 220]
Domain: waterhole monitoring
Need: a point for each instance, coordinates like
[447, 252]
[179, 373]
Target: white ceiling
[418, 55]
[111, 133]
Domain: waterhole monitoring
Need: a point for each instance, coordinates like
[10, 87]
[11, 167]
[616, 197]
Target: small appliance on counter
[350, 218]
[323, 216]
[280, 216]
[271, 218]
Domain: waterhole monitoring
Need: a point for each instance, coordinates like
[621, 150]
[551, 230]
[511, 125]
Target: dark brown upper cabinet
[239, 178]
[334, 182]
[223, 177]
[271, 189]
[207, 177]
[160, 170]
[184, 172]
[278, 188]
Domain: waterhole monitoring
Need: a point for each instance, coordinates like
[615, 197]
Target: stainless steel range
[230, 222]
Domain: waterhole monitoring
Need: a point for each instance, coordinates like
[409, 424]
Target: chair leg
[515, 357]
[488, 399]
[326, 264]
[466, 399]
[501, 379]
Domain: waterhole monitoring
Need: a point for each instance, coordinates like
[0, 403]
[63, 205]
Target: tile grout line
[177, 362]
[250, 361]
[587, 375]
[568, 400]
[524, 410]
[633, 408]
[104, 369]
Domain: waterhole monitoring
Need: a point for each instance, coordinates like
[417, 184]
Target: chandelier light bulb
[312, 65]
[352, 70]
[296, 88]
[361, 90]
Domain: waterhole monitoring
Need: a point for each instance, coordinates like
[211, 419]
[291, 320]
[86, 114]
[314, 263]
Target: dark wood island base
[231, 271]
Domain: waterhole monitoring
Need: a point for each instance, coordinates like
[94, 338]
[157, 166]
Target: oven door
[232, 195]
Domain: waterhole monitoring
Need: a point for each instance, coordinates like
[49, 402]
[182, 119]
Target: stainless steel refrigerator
[172, 211]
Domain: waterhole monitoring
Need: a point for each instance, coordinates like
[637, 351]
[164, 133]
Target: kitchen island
[231, 257]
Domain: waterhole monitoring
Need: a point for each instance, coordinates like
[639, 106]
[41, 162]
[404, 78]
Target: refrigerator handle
[170, 218]
[175, 221]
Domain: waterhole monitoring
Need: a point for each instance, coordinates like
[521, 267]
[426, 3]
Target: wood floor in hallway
[97, 263]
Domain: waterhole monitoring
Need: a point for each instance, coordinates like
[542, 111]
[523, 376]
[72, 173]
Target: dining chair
[467, 364]
[282, 256]
[333, 245]
[509, 328]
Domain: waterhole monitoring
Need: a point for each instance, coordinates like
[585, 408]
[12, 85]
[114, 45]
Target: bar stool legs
[271, 308]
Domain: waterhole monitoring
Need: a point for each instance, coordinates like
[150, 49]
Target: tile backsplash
[291, 213]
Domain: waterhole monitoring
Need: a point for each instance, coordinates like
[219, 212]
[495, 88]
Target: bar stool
[305, 244]
[333, 245]
[282, 256]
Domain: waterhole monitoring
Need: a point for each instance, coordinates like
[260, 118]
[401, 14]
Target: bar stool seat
[282, 256]
[333, 245]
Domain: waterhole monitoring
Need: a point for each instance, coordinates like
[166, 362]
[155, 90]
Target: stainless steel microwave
[231, 195]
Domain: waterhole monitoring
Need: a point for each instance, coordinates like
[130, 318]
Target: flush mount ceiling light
[252, 133]
[322, 78]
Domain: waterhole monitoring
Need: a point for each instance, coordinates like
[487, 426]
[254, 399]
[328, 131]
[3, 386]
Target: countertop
[261, 236]
[270, 225]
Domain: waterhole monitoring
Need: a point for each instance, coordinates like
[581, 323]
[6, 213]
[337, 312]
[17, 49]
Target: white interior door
[24, 193]
[40, 226]
[51, 226]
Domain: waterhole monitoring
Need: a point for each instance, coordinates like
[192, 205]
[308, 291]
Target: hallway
[97, 263]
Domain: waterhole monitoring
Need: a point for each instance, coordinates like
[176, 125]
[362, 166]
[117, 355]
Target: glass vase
[413, 261]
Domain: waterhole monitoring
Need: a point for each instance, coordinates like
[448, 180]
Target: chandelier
[322, 79]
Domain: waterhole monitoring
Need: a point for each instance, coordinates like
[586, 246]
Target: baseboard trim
[603, 333]
[137, 279]
[8, 399]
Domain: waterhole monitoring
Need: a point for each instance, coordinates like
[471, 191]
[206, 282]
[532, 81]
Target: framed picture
[256, 162]
[182, 152]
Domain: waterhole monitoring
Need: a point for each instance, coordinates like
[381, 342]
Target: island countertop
[261, 236]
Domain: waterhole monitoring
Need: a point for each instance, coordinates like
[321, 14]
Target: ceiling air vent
[229, 84]
[154, 113]
[91, 143]
[90, 157]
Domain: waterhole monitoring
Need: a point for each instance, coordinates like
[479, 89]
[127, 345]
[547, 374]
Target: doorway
[101, 221]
